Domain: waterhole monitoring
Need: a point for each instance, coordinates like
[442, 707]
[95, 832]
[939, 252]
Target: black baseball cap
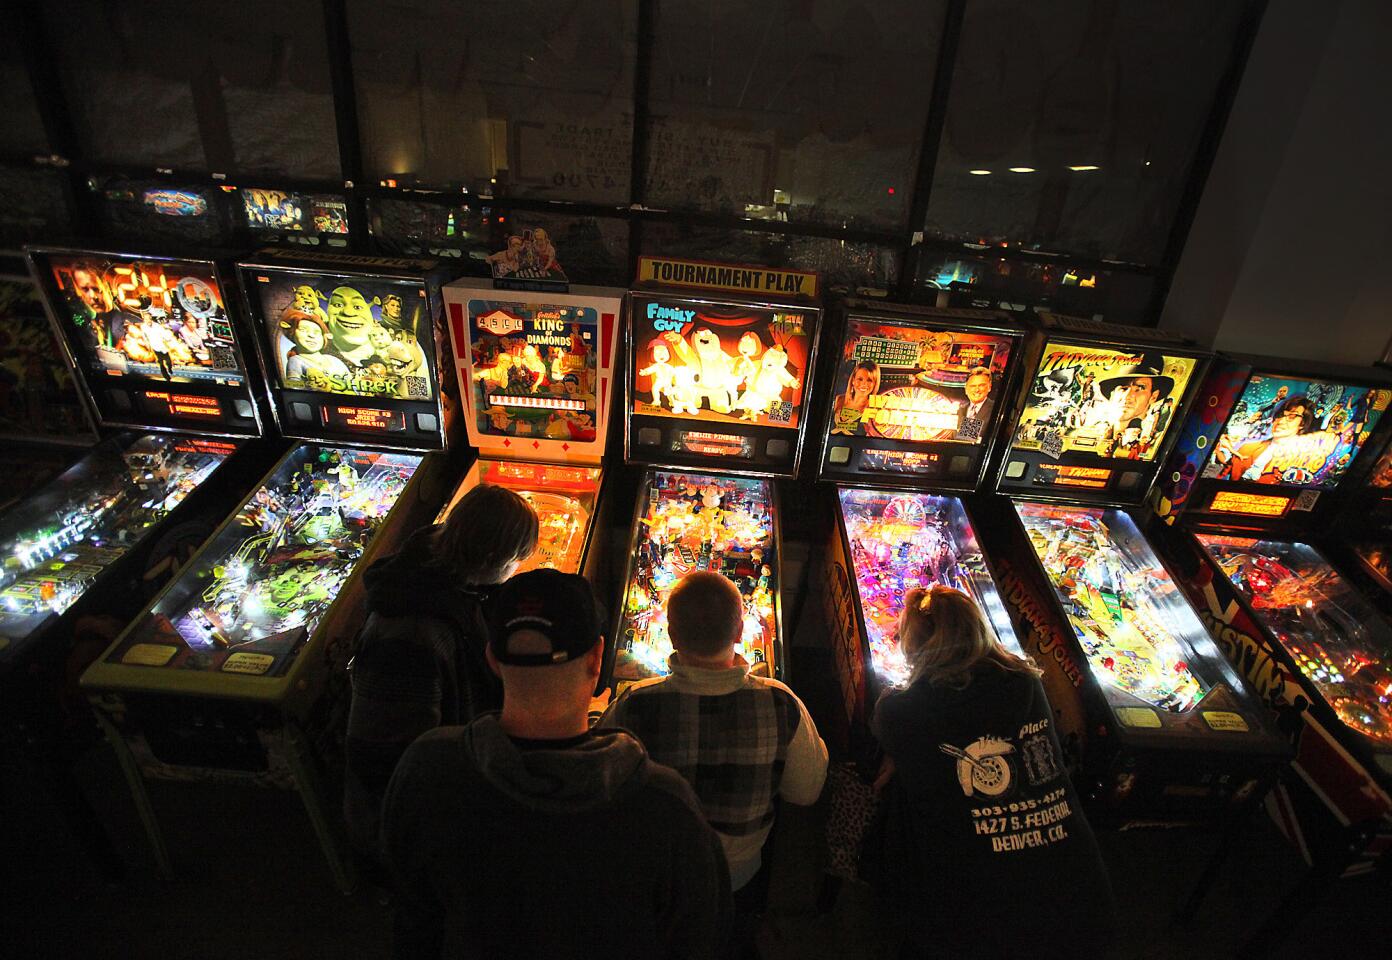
[559, 606]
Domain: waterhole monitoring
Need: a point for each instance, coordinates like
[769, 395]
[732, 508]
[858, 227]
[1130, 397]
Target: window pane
[591, 250]
[230, 87]
[147, 209]
[535, 95]
[841, 264]
[822, 103]
[996, 283]
[33, 206]
[1122, 90]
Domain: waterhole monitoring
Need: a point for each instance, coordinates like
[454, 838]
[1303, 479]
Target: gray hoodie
[510, 849]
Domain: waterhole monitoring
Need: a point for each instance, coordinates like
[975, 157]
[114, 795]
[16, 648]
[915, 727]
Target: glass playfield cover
[57, 543]
[1334, 636]
[900, 541]
[1135, 627]
[256, 593]
[699, 521]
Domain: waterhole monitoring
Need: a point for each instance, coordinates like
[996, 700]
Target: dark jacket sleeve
[892, 723]
[700, 910]
[398, 682]
[418, 924]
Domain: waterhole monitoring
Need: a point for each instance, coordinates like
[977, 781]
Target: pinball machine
[83, 552]
[714, 409]
[44, 424]
[1252, 495]
[913, 415]
[1160, 724]
[96, 539]
[237, 670]
[535, 372]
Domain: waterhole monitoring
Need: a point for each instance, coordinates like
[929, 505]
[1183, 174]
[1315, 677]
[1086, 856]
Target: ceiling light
[979, 173]
[1082, 167]
[1022, 169]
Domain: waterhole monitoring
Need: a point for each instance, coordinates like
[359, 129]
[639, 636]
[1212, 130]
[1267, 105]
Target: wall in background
[1290, 249]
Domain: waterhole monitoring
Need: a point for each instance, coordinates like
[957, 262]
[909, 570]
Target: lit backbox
[147, 319]
[720, 363]
[535, 369]
[1109, 403]
[917, 385]
[1295, 432]
[351, 336]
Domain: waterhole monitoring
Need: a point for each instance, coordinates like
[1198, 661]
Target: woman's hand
[885, 774]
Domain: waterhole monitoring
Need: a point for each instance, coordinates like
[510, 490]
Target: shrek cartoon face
[350, 319]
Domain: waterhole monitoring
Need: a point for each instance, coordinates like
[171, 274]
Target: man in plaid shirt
[740, 740]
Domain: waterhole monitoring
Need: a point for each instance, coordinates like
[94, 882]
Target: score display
[182, 404]
[363, 418]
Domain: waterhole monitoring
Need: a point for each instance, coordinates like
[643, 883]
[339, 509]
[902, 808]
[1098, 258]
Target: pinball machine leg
[141, 797]
[1232, 830]
[311, 791]
[1324, 872]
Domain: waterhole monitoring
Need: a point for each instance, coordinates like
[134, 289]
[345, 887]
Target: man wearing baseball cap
[525, 834]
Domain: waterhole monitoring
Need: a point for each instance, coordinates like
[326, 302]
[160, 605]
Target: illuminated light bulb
[979, 173]
[1022, 169]
[1083, 167]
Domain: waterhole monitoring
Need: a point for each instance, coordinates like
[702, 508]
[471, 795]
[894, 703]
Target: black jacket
[419, 665]
[995, 838]
[587, 849]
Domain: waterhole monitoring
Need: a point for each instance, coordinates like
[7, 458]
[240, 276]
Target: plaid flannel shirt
[741, 742]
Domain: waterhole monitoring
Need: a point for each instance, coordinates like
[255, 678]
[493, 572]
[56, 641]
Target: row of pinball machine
[1193, 547]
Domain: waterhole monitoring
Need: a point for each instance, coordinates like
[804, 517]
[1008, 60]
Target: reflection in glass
[900, 541]
[525, 98]
[1136, 629]
[1104, 104]
[241, 86]
[256, 594]
[56, 544]
[791, 111]
[1332, 633]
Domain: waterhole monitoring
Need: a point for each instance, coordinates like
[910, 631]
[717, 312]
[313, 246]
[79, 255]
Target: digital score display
[183, 404]
[901, 461]
[1093, 478]
[218, 448]
[1249, 504]
[713, 444]
[363, 418]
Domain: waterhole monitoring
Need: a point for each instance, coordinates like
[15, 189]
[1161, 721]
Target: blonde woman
[990, 821]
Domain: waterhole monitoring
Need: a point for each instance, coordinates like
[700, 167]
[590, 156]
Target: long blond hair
[945, 636]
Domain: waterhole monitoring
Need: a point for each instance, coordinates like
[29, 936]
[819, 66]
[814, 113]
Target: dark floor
[249, 881]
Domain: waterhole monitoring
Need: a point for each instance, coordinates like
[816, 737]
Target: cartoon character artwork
[349, 336]
[768, 384]
[1295, 432]
[660, 371]
[720, 363]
